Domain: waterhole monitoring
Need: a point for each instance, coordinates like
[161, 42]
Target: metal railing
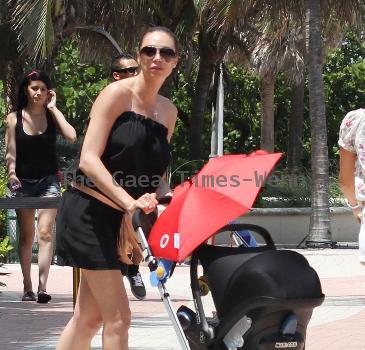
[12, 228]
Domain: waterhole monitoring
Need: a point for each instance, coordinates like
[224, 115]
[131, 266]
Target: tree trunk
[199, 101]
[12, 73]
[267, 113]
[295, 144]
[319, 230]
[10, 61]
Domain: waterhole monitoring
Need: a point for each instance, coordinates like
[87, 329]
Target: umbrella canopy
[225, 188]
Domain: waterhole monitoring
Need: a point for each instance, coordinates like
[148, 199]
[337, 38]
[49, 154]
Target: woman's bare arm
[10, 144]
[64, 127]
[347, 178]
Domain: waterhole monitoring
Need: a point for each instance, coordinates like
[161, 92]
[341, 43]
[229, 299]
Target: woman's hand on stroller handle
[138, 212]
[147, 203]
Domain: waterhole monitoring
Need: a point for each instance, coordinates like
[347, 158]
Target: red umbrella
[225, 188]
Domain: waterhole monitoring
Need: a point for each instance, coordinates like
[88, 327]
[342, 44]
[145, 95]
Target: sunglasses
[129, 70]
[165, 52]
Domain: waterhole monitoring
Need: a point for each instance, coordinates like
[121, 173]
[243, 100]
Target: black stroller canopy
[238, 274]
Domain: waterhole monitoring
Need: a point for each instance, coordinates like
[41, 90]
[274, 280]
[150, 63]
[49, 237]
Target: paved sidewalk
[338, 324]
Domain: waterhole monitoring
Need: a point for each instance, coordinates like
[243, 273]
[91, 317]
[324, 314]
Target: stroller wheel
[203, 285]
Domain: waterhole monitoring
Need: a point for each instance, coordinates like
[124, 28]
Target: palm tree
[42, 26]
[243, 28]
[270, 24]
[335, 13]
[277, 49]
[265, 36]
[335, 18]
[211, 51]
[320, 218]
[120, 19]
[90, 23]
[295, 131]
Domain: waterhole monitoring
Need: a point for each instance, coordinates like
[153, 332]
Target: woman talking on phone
[32, 171]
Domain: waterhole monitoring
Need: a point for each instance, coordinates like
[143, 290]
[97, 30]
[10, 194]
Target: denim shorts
[48, 186]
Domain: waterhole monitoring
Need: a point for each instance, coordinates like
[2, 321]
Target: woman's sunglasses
[129, 70]
[165, 52]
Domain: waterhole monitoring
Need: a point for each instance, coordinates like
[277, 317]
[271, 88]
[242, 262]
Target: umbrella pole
[76, 274]
[216, 143]
[216, 148]
[211, 240]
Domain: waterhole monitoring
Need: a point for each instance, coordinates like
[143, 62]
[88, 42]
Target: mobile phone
[49, 96]
[15, 185]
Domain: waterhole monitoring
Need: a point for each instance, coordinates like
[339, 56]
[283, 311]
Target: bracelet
[353, 206]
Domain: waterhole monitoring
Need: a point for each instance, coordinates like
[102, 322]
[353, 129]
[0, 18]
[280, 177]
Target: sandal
[29, 296]
[43, 297]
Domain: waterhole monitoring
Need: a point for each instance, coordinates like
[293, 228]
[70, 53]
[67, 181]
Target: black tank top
[35, 154]
[136, 154]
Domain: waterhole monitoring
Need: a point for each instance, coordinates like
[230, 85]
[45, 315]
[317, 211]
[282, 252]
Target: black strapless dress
[136, 154]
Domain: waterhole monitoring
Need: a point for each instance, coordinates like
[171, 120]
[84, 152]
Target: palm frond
[347, 12]
[104, 28]
[200, 6]
[123, 20]
[98, 30]
[32, 20]
[186, 25]
[225, 14]
[338, 18]
[271, 45]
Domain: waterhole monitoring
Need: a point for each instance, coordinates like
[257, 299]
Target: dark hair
[28, 77]
[160, 29]
[115, 66]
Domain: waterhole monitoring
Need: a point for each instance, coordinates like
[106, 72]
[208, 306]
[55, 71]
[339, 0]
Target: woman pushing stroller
[123, 158]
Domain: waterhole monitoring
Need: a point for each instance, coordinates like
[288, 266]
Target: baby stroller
[263, 297]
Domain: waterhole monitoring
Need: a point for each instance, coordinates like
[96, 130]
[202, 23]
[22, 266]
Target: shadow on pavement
[34, 322]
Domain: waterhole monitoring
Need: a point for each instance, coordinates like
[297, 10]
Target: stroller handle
[164, 199]
[251, 227]
[139, 217]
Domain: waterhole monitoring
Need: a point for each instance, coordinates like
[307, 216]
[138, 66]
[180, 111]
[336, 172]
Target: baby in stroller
[264, 297]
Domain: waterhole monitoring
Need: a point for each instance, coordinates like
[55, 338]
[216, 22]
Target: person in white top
[352, 169]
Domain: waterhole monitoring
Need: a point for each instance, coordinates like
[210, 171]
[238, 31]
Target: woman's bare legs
[113, 304]
[85, 322]
[26, 237]
[45, 222]
[97, 302]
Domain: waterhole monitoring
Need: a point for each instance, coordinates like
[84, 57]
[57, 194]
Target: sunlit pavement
[338, 324]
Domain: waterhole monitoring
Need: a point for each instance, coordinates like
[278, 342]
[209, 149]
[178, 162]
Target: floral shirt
[352, 139]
